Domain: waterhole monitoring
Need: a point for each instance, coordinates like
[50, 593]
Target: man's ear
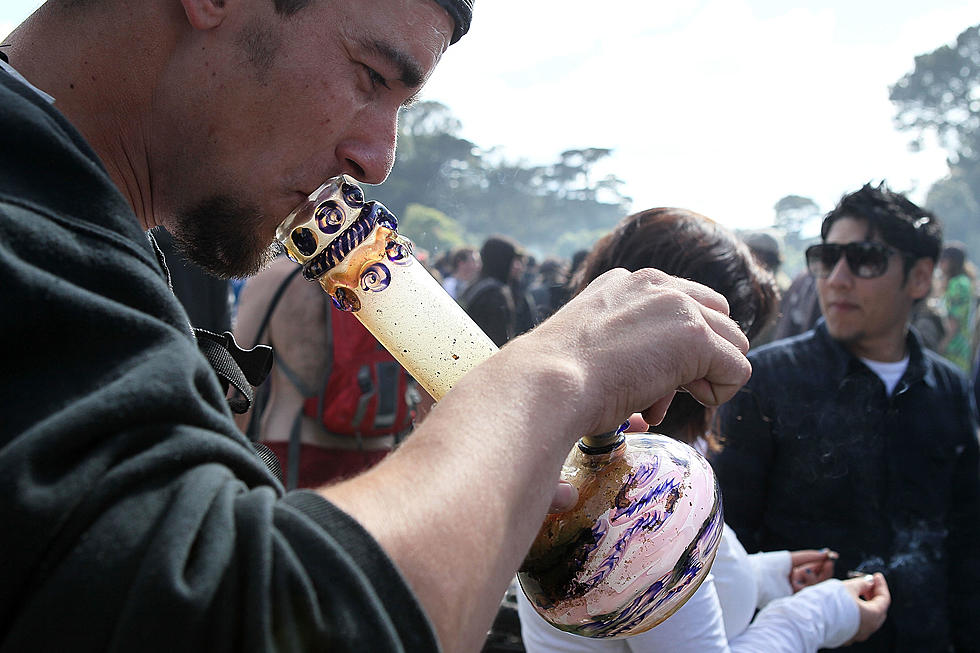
[205, 14]
[920, 278]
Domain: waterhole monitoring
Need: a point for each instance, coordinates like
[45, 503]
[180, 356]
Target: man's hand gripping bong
[640, 337]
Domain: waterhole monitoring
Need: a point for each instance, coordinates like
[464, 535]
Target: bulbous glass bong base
[636, 546]
[648, 520]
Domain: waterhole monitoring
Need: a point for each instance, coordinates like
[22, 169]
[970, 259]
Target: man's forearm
[456, 507]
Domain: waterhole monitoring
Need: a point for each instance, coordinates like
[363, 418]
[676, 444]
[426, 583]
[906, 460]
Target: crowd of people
[155, 501]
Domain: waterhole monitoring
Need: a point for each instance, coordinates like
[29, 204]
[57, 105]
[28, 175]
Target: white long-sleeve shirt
[718, 617]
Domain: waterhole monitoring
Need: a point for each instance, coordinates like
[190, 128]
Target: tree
[547, 208]
[430, 229]
[429, 149]
[956, 203]
[942, 95]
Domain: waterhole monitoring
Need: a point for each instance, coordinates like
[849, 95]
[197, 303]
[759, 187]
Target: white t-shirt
[718, 617]
[889, 373]
[453, 286]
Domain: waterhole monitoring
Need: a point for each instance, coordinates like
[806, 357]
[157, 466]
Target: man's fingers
[728, 369]
[641, 336]
[655, 413]
[727, 328]
[705, 296]
[637, 424]
[564, 499]
[716, 392]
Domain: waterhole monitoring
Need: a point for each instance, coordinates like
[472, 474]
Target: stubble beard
[222, 235]
[849, 339]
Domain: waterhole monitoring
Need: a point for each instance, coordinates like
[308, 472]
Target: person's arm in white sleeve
[824, 615]
[771, 570]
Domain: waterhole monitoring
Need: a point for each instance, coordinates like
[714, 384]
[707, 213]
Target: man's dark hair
[460, 255]
[898, 221]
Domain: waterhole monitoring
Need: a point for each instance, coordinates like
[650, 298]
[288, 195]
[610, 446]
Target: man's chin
[237, 263]
[221, 235]
[844, 335]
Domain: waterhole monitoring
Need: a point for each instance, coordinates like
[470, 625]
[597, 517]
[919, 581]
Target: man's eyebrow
[409, 71]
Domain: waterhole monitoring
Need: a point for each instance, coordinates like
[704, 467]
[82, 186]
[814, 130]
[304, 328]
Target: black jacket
[135, 516]
[815, 454]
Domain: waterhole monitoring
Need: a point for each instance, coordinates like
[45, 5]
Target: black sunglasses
[867, 259]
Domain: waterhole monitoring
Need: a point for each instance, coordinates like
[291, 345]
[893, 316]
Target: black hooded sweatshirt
[490, 301]
[136, 517]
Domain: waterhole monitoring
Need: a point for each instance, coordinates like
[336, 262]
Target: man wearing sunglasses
[855, 437]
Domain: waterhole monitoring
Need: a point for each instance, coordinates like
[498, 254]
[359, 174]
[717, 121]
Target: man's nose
[368, 152]
[841, 272]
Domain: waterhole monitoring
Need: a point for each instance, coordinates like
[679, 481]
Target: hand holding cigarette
[873, 599]
[810, 567]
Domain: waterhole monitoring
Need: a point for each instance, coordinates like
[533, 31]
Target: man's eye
[375, 77]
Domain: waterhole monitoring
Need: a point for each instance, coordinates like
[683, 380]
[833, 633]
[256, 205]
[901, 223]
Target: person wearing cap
[856, 436]
[136, 516]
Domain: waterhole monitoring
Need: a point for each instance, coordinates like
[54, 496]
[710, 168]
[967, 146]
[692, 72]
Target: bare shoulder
[301, 303]
[296, 329]
[265, 283]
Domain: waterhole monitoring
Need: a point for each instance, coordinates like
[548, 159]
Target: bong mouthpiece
[353, 249]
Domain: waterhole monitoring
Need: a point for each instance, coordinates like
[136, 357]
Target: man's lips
[842, 306]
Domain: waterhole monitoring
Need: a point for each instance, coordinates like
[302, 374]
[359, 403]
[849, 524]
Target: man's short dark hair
[461, 254]
[894, 218]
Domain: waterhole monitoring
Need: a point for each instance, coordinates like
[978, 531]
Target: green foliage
[550, 209]
[430, 229]
[429, 154]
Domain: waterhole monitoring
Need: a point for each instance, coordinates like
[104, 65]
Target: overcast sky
[720, 106]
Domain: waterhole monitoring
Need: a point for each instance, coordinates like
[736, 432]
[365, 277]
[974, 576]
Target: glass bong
[648, 521]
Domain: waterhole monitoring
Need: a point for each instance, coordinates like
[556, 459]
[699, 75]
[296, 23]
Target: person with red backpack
[336, 402]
